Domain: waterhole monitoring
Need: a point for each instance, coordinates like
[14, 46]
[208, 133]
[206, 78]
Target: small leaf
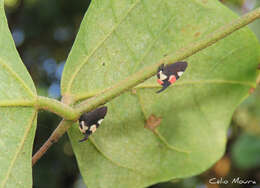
[246, 151]
[118, 38]
[17, 123]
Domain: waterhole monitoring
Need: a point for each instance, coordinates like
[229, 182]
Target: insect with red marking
[168, 74]
[89, 122]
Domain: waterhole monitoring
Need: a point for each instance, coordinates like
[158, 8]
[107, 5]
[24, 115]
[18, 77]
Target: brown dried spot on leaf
[197, 34]
[152, 122]
[251, 90]
[133, 91]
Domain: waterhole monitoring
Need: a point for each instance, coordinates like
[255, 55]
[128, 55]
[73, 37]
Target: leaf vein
[157, 134]
[19, 149]
[99, 45]
[109, 159]
[154, 41]
[14, 103]
[18, 78]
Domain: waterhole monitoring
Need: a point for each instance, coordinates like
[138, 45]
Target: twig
[63, 125]
[146, 73]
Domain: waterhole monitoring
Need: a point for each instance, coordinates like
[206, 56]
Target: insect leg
[167, 84]
[85, 138]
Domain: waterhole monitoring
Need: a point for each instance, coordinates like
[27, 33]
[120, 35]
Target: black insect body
[168, 74]
[89, 122]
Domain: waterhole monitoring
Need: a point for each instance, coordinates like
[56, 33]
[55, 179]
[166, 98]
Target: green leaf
[17, 123]
[246, 151]
[118, 38]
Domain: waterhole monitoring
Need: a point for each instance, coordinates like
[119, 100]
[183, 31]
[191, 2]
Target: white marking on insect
[93, 128]
[100, 121]
[82, 123]
[162, 76]
[84, 127]
[179, 73]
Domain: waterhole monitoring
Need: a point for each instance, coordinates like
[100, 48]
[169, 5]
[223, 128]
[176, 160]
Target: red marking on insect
[160, 82]
[172, 79]
[170, 73]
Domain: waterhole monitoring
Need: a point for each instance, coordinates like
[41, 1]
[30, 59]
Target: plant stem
[57, 107]
[146, 73]
[64, 125]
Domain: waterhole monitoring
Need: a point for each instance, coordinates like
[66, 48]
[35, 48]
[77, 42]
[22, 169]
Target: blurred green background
[44, 31]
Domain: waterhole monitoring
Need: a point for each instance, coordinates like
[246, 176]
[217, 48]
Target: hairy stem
[148, 72]
[57, 107]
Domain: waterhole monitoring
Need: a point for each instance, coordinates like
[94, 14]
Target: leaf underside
[118, 38]
[17, 124]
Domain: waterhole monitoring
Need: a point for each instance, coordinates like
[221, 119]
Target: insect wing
[94, 116]
[91, 120]
[175, 69]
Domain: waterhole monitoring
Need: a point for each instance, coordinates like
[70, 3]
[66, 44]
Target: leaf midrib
[88, 95]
